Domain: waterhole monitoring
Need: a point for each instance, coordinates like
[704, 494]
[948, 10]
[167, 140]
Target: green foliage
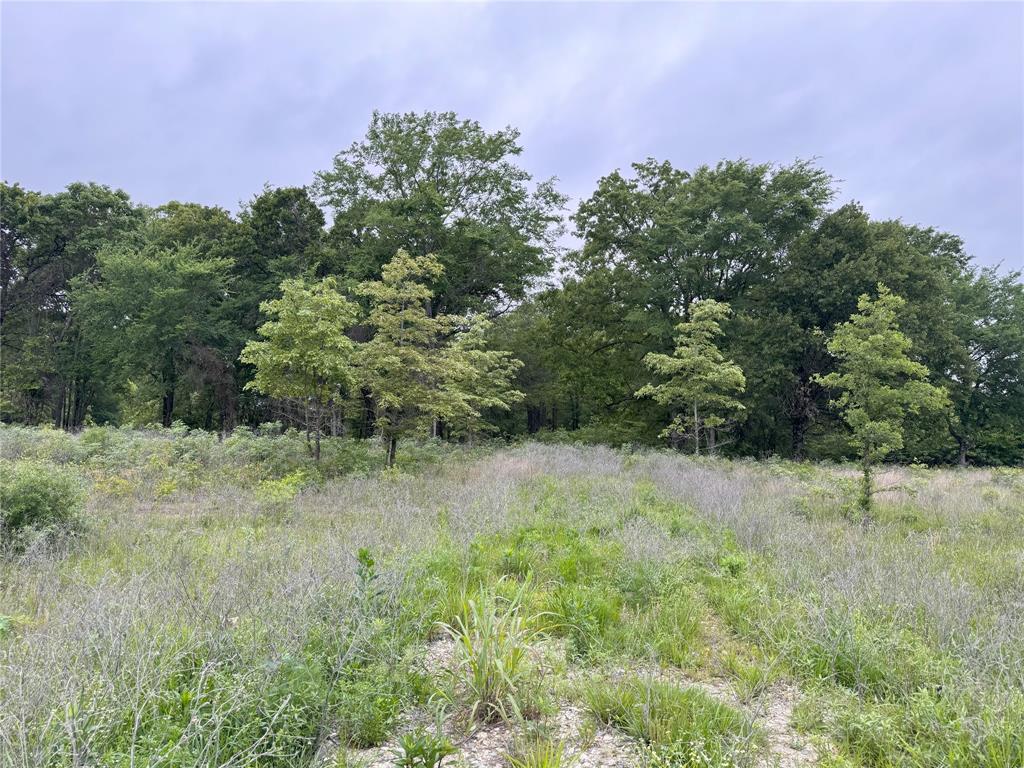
[305, 353]
[433, 183]
[540, 753]
[494, 676]
[158, 314]
[421, 749]
[702, 385]
[879, 383]
[421, 368]
[38, 497]
[682, 726]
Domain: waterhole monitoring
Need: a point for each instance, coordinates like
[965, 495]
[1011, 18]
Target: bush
[36, 496]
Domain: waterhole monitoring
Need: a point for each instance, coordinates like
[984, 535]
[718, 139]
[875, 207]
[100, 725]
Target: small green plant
[493, 674]
[280, 492]
[368, 590]
[540, 753]
[732, 564]
[38, 497]
[367, 707]
[674, 722]
[421, 749]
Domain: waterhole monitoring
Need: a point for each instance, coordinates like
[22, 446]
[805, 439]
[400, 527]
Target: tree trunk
[798, 425]
[711, 441]
[961, 452]
[696, 430]
[392, 449]
[369, 421]
[865, 488]
[167, 411]
[534, 419]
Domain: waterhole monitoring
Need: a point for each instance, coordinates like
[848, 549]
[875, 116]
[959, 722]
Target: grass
[493, 676]
[228, 603]
[680, 726]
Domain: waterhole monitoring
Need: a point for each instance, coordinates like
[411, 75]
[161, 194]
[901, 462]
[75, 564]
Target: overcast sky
[917, 108]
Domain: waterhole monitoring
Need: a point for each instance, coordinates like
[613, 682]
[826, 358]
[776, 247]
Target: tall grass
[203, 617]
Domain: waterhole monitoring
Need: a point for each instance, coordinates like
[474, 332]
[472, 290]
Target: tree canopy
[879, 384]
[440, 262]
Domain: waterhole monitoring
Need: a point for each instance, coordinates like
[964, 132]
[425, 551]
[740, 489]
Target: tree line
[438, 299]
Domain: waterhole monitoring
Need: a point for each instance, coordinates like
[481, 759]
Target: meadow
[227, 602]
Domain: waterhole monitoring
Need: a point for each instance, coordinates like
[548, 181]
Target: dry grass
[213, 578]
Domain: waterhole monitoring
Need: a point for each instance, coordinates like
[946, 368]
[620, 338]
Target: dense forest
[422, 285]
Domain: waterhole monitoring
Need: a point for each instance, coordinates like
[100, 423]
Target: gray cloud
[918, 108]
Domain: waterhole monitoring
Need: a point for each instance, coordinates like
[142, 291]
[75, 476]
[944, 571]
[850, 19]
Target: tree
[154, 312]
[285, 231]
[701, 384]
[421, 368]
[480, 380]
[48, 241]
[879, 383]
[304, 352]
[987, 391]
[434, 184]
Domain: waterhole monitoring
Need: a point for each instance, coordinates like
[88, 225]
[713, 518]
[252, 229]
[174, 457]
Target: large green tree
[432, 183]
[878, 382]
[987, 390]
[699, 385]
[50, 373]
[423, 367]
[153, 314]
[285, 231]
[304, 353]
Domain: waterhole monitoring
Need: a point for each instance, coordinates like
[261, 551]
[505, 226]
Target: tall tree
[700, 386]
[479, 379]
[424, 367]
[304, 353]
[987, 391]
[878, 382]
[285, 231]
[151, 312]
[434, 184]
[49, 240]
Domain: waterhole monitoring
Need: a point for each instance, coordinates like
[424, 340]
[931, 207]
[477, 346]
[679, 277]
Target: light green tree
[304, 353]
[700, 384]
[479, 380]
[878, 382]
[421, 367]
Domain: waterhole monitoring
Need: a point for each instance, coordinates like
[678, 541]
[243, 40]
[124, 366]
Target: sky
[917, 108]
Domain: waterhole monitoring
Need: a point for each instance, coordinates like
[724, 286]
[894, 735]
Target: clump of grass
[493, 675]
[540, 753]
[675, 724]
[584, 614]
[666, 631]
[422, 749]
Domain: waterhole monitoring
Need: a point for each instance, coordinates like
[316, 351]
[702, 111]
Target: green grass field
[228, 603]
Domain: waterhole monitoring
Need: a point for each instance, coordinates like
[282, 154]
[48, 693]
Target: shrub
[36, 496]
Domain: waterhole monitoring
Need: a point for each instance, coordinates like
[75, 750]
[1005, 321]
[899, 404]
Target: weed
[493, 672]
[422, 749]
[673, 720]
